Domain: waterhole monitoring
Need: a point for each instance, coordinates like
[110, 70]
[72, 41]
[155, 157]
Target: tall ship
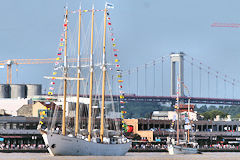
[186, 145]
[87, 108]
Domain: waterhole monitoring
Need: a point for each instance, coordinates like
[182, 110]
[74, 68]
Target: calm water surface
[129, 156]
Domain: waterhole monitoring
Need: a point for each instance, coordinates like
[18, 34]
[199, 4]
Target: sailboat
[184, 146]
[60, 142]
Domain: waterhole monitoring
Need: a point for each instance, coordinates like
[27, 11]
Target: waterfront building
[204, 132]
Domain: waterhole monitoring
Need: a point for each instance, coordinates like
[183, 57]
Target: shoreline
[131, 150]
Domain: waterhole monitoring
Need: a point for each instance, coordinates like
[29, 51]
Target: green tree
[211, 108]
[202, 109]
[210, 115]
[237, 116]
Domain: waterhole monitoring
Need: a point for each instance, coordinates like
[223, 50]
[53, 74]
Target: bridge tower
[177, 57]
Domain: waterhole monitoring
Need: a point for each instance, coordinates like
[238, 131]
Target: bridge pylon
[177, 57]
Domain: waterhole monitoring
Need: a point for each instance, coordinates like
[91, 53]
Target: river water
[129, 156]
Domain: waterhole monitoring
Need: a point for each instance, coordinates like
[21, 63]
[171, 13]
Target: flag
[113, 44]
[54, 73]
[61, 39]
[51, 88]
[113, 39]
[108, 18]
[85, 10]
[61, 44]
[115, 55]
[117, 65]
[52, 83]
[41, 122]
[109, 23]
[57, 58]
[120, 81]
[123, 112]
[122, 107]
[59, 54]
[56, 63]
[116, 60]
[120, 86]
[119, 76]
[65, 25]
[50, 93]
[122, 92]
[122, 102]
[121, 96]
[53, 78]
[109, 5]
[60, 49]
[115, 50]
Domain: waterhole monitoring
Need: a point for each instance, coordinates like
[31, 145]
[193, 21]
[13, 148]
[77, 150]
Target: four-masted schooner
[64, 144]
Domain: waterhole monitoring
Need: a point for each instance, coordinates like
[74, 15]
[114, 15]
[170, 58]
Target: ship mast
[104, 76]
[78, 75]
[65, 80]
[178, 111]
[91, 82]
[188, 134]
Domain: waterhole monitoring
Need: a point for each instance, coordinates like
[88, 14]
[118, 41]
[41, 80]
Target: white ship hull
[59, 145]
[174, 149]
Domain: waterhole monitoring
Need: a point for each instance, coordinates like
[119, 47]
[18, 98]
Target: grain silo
[4, 91]
[33, 90]
[18, 90]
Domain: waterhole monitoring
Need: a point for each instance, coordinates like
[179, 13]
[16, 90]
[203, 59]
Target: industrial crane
[232, 25]
[11, 62]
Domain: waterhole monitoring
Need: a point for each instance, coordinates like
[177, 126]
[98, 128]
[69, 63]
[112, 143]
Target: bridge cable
[200, 79]
[208, 82]
[162, 74]
[154, 77]
[192, 76]
[225, 86]
[145, 79]
[137, 80]
[129, 82]
[216, 84]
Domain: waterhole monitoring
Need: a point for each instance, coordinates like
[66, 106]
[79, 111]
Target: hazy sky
[146, 29]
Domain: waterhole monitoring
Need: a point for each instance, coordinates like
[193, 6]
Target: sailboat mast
[188, 135]
[178, 112]
[91, 82]
[65, 80]
[78, 75]
[104, 76]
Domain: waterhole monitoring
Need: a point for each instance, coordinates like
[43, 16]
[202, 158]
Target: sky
[146, 30]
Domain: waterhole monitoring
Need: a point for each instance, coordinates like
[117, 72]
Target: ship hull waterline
[59, 145]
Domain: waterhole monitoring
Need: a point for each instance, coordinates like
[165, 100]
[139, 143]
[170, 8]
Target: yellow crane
[11, 62]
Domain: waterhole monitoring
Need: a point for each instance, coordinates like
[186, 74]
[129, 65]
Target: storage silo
[18, 90]
[4, 91]
[34, 90]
